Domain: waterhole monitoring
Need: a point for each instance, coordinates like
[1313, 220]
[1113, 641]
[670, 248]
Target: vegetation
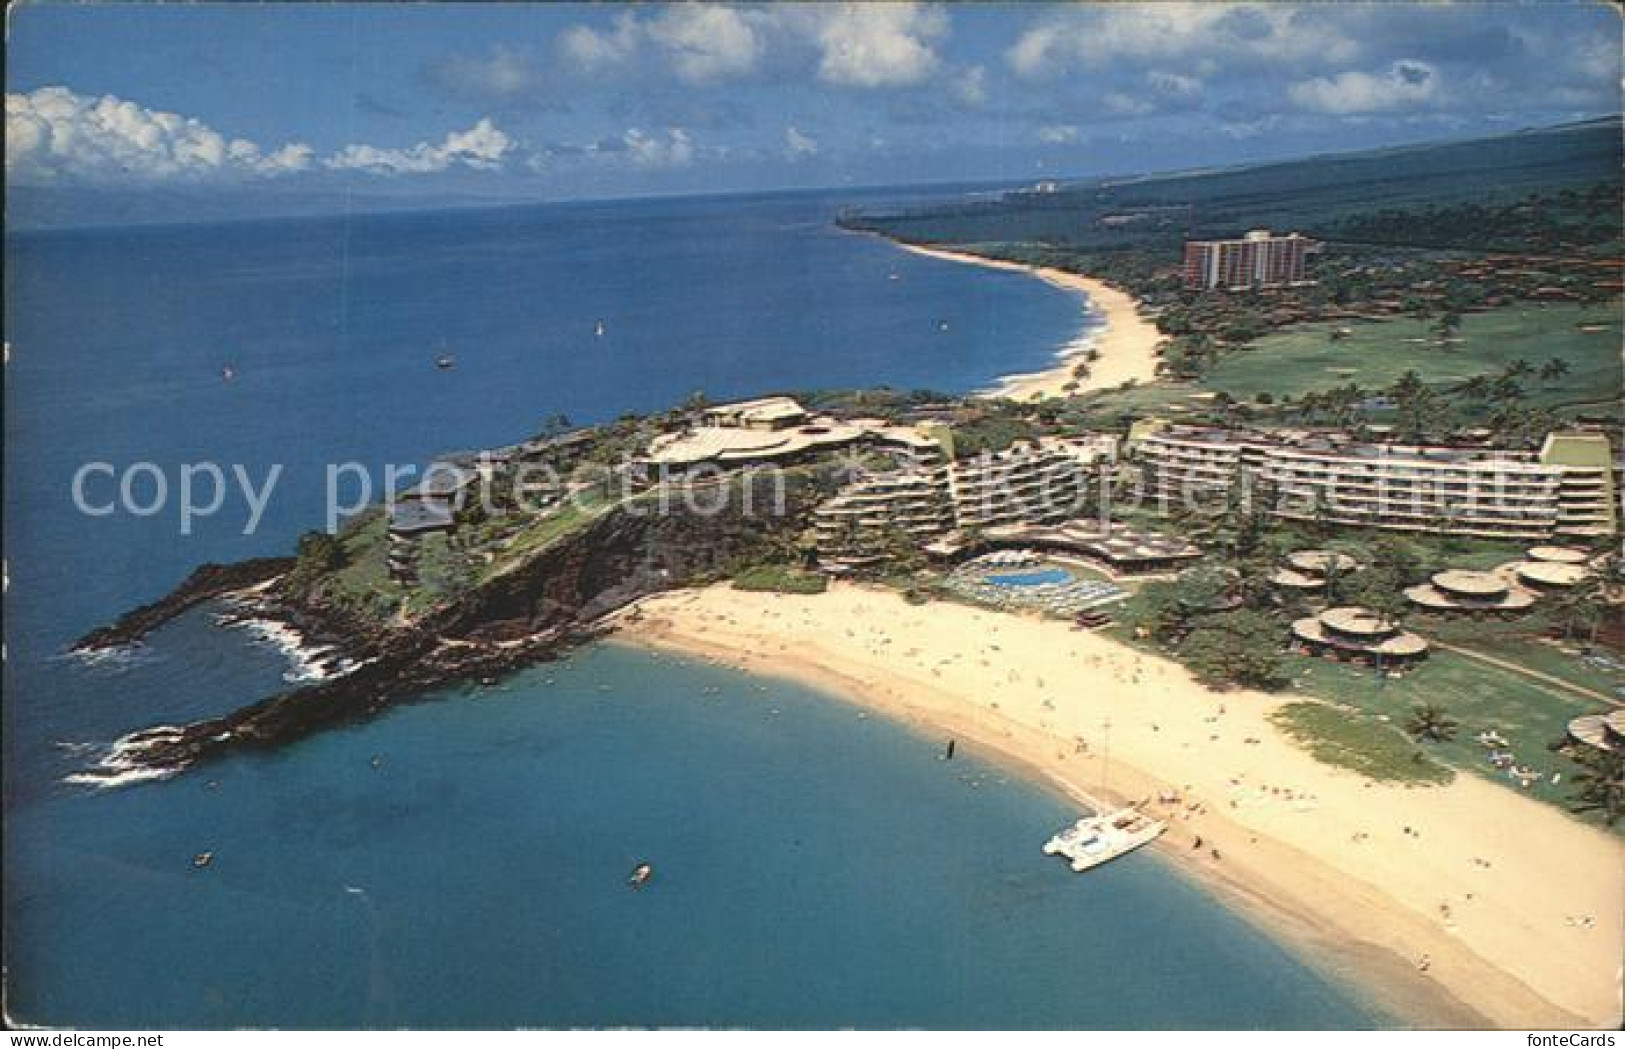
[1568, 220]
[1600, 784]
[1430, 724]
[1577, 348]
[1359, 743]
[1532, 715]
[1320, 195]
[780, 579]
[1242, 647]
[318, 554]
[992, 431]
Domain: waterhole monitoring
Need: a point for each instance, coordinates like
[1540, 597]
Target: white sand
[1127, 344]
[1491, 889]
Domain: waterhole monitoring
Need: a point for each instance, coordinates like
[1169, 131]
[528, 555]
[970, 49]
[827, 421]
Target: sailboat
[598, 329]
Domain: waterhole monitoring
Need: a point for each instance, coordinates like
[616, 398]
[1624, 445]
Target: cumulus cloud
[1403, 85]
[860, 45]
[482, 147]
[798, 144]
[675, 150]
[504, 74]
[592, 50]
[706, 42]
[1098, 35]
[53, 133]
[1058, 134]
[879, 44]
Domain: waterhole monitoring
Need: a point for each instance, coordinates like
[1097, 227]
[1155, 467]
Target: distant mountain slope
[1296, 194]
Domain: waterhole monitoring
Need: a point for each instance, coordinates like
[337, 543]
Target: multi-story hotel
[1258, 260]
[1565, 490]
[1030, 483]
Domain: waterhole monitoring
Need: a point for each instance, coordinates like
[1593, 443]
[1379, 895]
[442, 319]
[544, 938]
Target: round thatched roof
[1562, 555]
[1469, 584]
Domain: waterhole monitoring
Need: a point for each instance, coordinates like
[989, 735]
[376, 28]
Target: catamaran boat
[1095, 839]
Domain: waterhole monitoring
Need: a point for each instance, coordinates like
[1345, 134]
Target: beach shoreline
[1358, 910]
[1127, 344]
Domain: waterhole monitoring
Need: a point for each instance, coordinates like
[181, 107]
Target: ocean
[461, 860]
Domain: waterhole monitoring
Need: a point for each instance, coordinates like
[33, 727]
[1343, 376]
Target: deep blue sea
[461, 860]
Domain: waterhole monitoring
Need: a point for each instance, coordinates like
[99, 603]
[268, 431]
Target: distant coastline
[1127, 345]
[1290, 829]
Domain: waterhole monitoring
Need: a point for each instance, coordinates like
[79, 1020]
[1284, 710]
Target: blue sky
[569, 101]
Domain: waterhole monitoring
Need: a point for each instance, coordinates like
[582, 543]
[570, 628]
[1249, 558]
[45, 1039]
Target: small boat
[202, 859]
[228, 373]
[1095, 839]
[640, 876]
[942, 325]
[598, 329]
[445, 361]
[893, 276]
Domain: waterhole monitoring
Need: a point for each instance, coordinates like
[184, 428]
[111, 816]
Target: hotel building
[1040, 482]
[774, 431]
[1257, 260]
[1566, 490]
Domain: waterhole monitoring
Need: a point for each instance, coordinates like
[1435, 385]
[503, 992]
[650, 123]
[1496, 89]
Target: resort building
[775, 430]
[1313, 571]
[1603, 731]
[765, 413]
[1115, 546]
[1460, 591]
[1358, 634]
[1550, 576]
[425, 510]
[857, 526]
[561, 452]
[1564, 490]
[1257, 260]
[1032, 483]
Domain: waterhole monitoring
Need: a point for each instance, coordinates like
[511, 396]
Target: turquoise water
[1041, 577]
[812, 867]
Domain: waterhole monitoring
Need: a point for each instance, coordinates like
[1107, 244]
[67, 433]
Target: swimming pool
[1043, 577]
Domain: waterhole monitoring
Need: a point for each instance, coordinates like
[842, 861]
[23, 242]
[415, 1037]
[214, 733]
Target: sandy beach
[1461, 905]
[1127, 344]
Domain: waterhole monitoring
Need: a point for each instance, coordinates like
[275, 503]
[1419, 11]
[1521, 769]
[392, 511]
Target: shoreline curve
[1365, 911]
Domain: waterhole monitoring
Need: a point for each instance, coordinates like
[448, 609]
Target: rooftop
[1469, 584]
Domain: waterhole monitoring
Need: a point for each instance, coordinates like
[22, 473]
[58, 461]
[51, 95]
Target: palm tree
[1430, 723]
[1447, 325]
[1601, 783]
[1477, 388]
[1554, 369]
[1585, 604]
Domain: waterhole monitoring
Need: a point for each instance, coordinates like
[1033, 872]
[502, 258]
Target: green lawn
[1530, 714]
[1359, 742]
[1519, 641]
[780, 579]
[1305, 359]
